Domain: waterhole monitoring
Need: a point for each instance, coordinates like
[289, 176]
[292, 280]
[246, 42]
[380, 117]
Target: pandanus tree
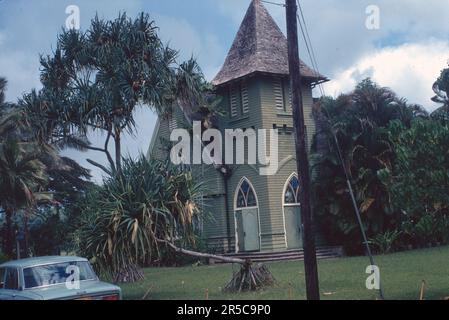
[135, 217]
[97, 78]
[127, 220]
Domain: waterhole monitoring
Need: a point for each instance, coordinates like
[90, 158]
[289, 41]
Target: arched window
[246, 196]
[291, 195]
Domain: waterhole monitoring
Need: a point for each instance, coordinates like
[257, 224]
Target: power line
[309, 45]
[312, 61]
[270, 2]
[312, 56]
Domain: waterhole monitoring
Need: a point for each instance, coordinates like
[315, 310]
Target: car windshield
[51, 274]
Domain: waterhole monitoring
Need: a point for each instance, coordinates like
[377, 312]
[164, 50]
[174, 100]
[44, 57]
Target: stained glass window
[246, 197]
[292, 192]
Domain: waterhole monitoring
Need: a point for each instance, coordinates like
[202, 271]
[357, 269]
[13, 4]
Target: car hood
[87, 289]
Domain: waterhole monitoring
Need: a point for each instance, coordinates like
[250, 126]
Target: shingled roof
[260, 46]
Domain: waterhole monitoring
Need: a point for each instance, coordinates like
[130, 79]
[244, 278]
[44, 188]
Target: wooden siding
[252, 104]
[214, 224]
[158, 150]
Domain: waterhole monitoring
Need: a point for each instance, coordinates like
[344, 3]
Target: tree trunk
[118, 150]
[25, 233]
[204, 255]
[9, 233]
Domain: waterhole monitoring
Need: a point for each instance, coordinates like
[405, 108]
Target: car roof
[30, 262]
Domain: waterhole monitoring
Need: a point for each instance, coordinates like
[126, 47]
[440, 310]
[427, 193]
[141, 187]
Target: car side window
[12, 279]
[2, 278]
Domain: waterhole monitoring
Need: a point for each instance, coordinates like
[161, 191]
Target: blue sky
[406, 53]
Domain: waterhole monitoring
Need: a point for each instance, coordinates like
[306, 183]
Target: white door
[251, 229]
[292, 214]
[247, 218]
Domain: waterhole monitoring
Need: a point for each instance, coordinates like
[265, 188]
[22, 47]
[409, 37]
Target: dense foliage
[22, 172]
[32, 174]
[419, 180]
[360, 120]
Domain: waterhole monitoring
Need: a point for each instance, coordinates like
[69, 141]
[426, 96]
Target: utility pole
[302, 161]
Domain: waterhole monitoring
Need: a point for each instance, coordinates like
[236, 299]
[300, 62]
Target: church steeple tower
[260, 46]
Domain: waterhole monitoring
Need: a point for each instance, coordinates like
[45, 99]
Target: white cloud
[21, 71]
[410, 70]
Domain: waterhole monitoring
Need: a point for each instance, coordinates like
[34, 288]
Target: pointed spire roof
[260, 46]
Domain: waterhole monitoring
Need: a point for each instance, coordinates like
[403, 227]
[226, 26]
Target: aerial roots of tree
[129, 274]
[250, 277]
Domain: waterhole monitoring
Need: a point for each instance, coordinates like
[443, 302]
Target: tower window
[282, 94]
[245, 98]
[172, 123]
[234, 101]
[279, 94]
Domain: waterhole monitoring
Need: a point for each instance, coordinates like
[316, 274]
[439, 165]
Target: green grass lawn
[344, 278]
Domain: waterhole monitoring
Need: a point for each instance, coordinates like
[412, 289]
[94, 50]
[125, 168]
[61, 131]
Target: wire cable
[313, 60]
[270, 2]
[308, 43]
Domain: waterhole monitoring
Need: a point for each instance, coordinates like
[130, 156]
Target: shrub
[386, 242]
[3, 257]
[125, 222]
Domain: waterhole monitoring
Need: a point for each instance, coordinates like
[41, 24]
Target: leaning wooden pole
[250, 277]
[202, 255]
[302, 161]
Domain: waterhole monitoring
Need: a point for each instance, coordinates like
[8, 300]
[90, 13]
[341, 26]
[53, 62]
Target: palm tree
[21, 175]
[21, 171]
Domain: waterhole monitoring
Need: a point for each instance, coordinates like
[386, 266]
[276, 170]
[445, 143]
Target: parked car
[53, 278]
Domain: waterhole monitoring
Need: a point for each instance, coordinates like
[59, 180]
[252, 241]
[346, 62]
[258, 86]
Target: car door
[2, 283]
[10, 290]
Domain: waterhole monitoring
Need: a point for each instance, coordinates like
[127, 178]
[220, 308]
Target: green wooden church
[245, 211]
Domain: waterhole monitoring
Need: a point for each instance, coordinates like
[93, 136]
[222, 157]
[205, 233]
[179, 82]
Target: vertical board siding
[275, 184]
